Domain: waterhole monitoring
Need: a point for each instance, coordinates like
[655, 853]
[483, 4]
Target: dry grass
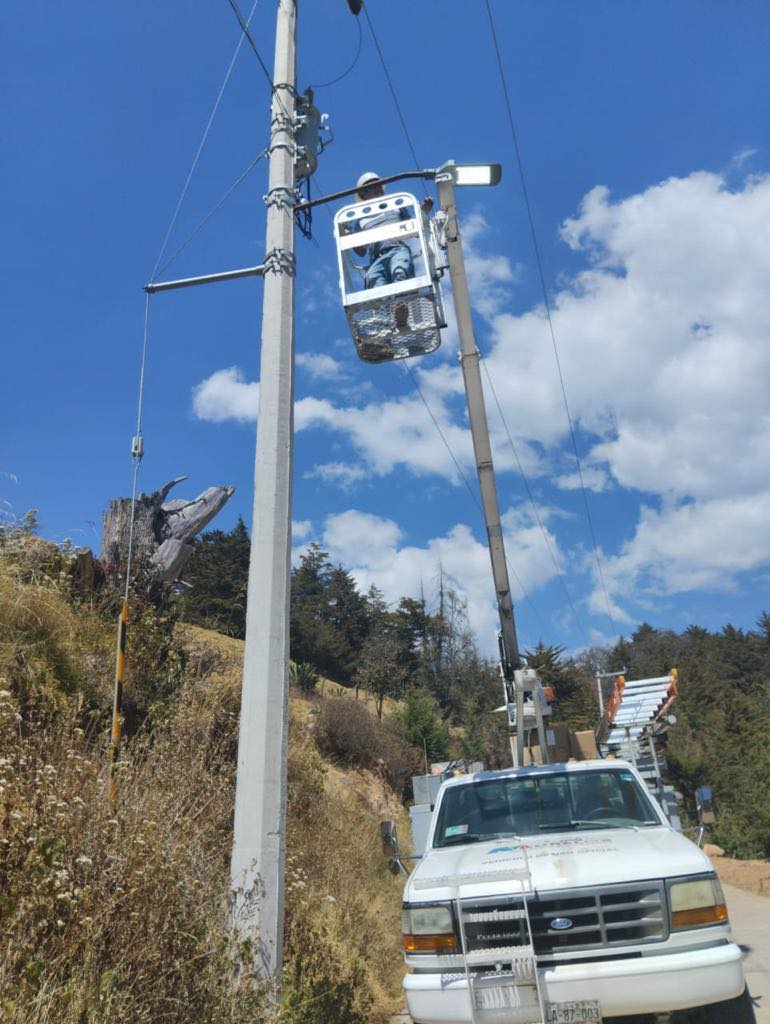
[751, 875]
[121, 915]
[114, 915]
[49, 651]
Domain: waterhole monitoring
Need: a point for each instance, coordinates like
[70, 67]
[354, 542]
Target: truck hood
[561, 860]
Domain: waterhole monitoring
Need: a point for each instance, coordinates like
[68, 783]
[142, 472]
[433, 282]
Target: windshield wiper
[596, 823]
[471, 838]
[603, 823]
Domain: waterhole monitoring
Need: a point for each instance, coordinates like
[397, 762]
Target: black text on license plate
[581, 1011]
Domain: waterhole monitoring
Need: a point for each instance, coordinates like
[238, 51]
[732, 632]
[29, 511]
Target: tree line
[421, 652]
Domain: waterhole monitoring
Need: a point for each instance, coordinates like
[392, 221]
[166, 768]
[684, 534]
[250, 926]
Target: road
[750, 917]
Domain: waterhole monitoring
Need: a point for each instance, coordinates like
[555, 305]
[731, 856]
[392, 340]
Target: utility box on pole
[258, 858]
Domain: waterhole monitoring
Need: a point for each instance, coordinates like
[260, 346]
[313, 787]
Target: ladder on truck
[502, 981]
[634, 718]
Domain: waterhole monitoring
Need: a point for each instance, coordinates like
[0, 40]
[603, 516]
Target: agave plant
[304, 675]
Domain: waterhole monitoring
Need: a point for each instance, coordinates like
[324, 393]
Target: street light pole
[258, 857]
[469, 360]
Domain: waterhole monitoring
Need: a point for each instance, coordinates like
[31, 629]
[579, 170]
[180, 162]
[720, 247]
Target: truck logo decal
[561, 924]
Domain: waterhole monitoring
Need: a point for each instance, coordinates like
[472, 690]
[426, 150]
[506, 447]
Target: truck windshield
[525, 806]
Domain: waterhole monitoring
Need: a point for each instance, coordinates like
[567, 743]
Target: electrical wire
[201, 144]
[549, 317]
[391, 86]
[136, 453]
[325, 85]
[214, 209]
[250, 39]
[535, 510]
[408, 370]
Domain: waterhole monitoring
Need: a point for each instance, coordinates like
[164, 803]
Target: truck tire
[733, 1011]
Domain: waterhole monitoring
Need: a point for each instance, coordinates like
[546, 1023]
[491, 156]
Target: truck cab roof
[540, 769]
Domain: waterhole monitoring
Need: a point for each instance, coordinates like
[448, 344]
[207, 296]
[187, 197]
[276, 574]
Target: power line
[325, 85]
[407, 369]
[201, 144]
[246, 34]
[389, 80]
[535, 510]
[214, 209]
[547, 306]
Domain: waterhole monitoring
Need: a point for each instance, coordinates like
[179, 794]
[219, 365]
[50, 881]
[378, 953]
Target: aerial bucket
[388, 278]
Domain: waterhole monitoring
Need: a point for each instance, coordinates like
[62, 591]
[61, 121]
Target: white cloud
[372, 549]
[490, 276]
[663, 341]
[691, 546]
[593, 478]
[301, 529]
[669, 324]
[320, 366]
[393, 434]
[343, 474]
[225, 395]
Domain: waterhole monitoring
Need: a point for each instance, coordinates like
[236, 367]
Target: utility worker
[389, 260]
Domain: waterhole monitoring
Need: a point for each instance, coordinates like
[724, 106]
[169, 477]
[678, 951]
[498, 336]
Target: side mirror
[389, 838]
[704, 804]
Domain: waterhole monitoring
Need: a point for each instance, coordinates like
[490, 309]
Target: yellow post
[117, 703]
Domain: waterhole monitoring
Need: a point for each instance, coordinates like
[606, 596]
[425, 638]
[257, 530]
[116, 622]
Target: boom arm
[469, 359]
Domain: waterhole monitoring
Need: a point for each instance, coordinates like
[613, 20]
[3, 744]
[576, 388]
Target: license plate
[505, 997]
[579, 1011]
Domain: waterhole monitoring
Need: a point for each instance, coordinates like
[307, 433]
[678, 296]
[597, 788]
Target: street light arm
[460, 174]
[309, 203]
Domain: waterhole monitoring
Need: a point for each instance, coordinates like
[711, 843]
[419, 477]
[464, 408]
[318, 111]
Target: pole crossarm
[189, 282]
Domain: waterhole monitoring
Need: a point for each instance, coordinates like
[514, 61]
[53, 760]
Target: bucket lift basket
[378, 239]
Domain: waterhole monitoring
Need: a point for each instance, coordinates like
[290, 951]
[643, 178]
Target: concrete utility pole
[469, 360]
[258, 859]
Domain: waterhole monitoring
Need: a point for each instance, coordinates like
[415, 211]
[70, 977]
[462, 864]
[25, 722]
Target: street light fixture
[472, 174]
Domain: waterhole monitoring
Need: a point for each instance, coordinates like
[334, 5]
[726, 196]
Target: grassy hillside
[120, 914]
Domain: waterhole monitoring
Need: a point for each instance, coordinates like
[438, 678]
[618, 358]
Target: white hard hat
[365, 178]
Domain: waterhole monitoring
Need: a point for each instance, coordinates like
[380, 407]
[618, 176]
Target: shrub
[305, 676]
[343, 948]
[350, 734]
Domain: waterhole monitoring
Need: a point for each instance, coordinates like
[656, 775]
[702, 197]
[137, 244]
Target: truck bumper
[650, 984]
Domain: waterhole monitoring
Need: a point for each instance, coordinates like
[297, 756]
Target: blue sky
[644, 135]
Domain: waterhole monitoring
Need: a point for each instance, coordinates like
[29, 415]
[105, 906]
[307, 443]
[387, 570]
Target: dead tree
[164, 531]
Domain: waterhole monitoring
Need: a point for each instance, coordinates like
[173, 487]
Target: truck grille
[602, 918]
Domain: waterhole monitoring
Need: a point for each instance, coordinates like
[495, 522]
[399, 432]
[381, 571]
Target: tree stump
[164, 531]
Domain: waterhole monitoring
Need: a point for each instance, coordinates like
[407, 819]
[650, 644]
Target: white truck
[560, 893]
[557, 893]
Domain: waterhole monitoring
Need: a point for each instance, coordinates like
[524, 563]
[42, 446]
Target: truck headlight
[428, 929]
[695, 902]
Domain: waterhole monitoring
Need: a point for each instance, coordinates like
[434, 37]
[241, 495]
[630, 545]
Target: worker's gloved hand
[426, 205]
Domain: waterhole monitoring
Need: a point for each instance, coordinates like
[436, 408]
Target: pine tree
[575, 700]
[218, 573]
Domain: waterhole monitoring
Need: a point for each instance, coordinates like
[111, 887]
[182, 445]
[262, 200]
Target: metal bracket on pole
[285, 198]
[280, 261]
[189, 282]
